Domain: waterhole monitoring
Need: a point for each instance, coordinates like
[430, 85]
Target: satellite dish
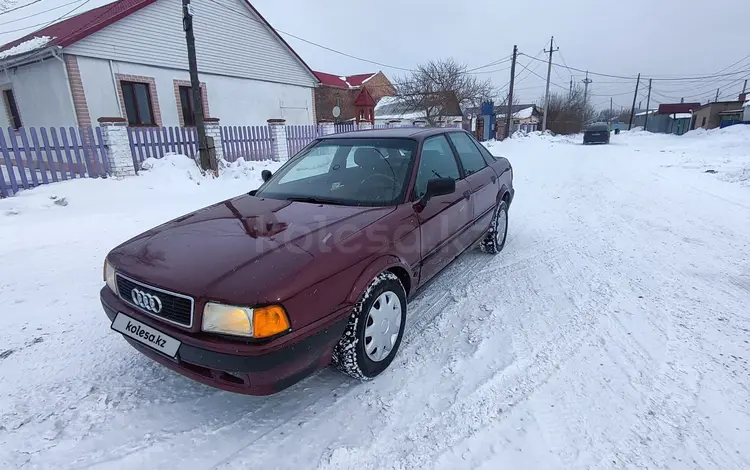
[336, 111]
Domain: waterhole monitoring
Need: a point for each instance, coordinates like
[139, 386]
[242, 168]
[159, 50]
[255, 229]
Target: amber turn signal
[269, 321]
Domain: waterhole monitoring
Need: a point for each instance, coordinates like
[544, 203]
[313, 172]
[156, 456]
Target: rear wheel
[376, 326]
[494, 241]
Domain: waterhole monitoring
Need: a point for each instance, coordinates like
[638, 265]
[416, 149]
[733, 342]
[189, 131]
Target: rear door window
[470, 156]
[488, 157]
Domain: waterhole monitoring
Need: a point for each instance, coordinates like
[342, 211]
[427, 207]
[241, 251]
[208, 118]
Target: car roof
[418, 133]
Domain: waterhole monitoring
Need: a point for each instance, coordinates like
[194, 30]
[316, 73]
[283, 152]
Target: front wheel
[375, 328]
[494, 241]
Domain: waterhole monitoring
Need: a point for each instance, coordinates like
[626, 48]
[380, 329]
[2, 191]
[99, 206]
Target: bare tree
[568, 113]
[607, 115]
[434, 87]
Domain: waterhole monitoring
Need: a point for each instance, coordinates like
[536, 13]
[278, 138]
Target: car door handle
[467, 194]
[493, 178]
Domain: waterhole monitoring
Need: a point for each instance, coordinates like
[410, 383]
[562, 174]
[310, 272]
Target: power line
[580, 70]
[497, 62]
[19, 7]
[534, 73]
[314, 43]
[684, 78]
[490, 71]
[41, 12]
[706, 77]
[44, 25]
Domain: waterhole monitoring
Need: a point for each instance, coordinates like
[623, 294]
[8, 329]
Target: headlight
[260, 322]
[109, 276]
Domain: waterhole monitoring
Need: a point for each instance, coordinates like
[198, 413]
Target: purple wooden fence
[29, 158]
[297, 137]
[346, 127]
[247, 142]
[155, 142]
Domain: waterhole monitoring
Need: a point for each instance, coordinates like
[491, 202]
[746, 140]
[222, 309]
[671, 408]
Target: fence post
[326, 127]
[364, 125]
[213, 130]
[279, 147]
[117, 146]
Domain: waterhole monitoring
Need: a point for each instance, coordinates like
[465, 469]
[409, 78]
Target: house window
[138, 107]
[186, 105]
[12, 108]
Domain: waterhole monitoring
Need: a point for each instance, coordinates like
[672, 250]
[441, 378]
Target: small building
[355, 96]
[129, 59]
[639, 118]
[669, 118]
[393, 111]
[526, 117]
[746, 111]
[711, 115]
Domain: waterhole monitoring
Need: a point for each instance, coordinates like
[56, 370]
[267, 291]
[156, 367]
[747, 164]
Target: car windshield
[356, 172]
[597, 128]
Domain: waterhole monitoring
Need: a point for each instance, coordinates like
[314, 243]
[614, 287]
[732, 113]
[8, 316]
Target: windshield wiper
[314, 200]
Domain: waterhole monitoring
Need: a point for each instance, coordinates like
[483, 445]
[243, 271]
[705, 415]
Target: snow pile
[611, 333]
[27, 46]
[167, 177]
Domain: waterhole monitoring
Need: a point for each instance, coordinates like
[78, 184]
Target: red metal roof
[340, 81]
[75, 28]
[675, 108]
[364, 98]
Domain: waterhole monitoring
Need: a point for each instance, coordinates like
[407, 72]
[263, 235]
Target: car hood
[239, 250]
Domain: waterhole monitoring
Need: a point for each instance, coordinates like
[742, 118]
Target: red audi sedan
[316, 266]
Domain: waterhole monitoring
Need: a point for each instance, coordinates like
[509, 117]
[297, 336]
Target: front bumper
[252, 369]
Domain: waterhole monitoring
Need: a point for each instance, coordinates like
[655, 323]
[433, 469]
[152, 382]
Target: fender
[377, 266]
[501, 192]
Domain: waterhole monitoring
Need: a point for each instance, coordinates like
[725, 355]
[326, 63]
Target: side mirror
[440, 187]
[436, 187]
[266, 175]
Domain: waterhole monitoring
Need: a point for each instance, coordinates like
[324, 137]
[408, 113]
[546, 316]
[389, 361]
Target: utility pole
[635, 96]
[716, 100]
[195, 86]
[549, 73]
[648, 105]
[509, 113]
[586, 82]
[611, 109]
[744, 87]
[570, 93]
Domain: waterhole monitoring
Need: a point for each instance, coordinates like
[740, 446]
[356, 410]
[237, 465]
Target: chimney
[743, 97]
[682, 100]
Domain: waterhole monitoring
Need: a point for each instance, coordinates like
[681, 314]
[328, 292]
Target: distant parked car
[255, 293]
[597, 133]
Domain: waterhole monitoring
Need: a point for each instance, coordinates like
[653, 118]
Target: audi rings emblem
[146, 301]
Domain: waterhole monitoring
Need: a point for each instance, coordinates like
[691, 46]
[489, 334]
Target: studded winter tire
[494, 241]
[375, 328]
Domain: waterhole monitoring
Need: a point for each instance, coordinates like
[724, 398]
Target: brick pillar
[326, 127]
[117, 145]
[213, 130]
[279, 148]
[364, 125]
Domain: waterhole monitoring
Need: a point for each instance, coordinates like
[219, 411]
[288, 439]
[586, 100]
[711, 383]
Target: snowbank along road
[611, 333]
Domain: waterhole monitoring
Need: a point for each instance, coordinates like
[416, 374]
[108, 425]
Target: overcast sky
[658, 38]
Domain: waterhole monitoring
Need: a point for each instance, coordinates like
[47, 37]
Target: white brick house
[129, 59]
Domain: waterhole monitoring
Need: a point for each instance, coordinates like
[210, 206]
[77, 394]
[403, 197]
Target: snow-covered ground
[613, 331]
